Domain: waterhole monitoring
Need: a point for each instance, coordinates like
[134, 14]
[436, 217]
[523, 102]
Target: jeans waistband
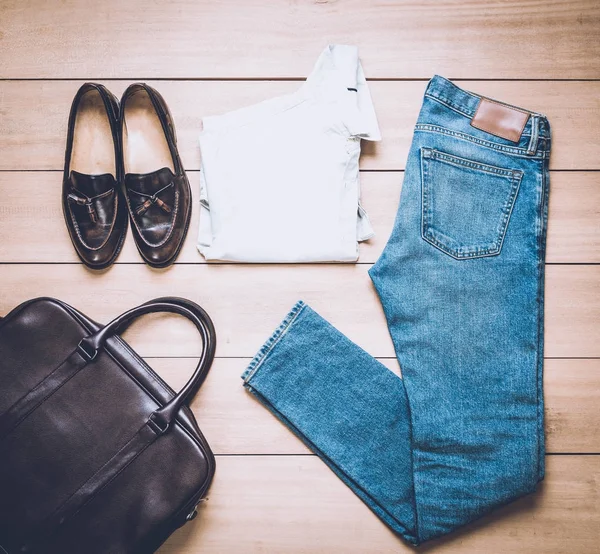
[466, 104]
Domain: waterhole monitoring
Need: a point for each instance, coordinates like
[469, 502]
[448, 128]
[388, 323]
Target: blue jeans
[461, 282]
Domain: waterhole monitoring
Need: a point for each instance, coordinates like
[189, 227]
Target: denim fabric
[461, 282]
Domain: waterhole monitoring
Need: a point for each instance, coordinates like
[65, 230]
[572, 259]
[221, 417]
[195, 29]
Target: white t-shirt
[279, 181]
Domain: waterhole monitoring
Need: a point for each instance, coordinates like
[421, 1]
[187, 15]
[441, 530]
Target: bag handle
[164, 417]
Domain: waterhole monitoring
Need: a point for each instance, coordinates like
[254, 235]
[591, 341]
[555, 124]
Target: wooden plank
[573, 235]
[234, 422]
[35, 113]
[572, 396]
[574, 218]
[248, 302]
[258, 38]
[295, 504]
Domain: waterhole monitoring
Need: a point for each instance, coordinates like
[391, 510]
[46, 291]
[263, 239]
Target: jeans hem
[378, 509]
[272, 341]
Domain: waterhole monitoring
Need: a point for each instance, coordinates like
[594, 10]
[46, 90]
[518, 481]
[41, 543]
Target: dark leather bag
[98, 455]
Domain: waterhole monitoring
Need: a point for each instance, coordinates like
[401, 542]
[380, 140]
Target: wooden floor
[270, 495]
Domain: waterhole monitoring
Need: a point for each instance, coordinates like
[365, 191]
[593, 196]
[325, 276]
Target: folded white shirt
[279, 181]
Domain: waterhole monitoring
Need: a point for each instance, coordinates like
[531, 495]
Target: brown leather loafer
[157, 190]
[93, 203]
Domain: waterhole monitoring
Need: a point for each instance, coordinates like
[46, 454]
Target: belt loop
[535, 129]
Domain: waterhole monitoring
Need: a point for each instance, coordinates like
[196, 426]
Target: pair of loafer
[122, 165]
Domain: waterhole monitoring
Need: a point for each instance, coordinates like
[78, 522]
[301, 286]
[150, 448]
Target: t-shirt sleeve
[361, 120]
[358, 111]
[338, 77]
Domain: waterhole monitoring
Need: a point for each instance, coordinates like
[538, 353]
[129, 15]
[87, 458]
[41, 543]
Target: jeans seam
[451, 159]
[541, 442]
[448, 104]
[272, 341]
[533, 140]
[512, 150]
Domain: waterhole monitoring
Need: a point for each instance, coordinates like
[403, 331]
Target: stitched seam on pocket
[463, 162]
[428, 232]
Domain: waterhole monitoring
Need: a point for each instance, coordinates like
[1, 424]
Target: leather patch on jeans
[500, 120]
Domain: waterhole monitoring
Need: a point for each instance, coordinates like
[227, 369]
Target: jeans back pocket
[466, 204]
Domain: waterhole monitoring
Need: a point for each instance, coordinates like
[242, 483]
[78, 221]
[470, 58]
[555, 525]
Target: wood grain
[248, 302]
[234, 422]
[258, 38]
[295, 504]
[573, 233]
[34, 116]
[269, 495]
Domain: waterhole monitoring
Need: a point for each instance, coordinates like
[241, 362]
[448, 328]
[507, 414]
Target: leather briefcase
[97, 454]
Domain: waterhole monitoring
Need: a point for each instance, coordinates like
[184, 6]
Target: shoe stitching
[172, 223]
[77, 230]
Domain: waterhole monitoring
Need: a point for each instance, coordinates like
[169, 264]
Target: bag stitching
[204, 449]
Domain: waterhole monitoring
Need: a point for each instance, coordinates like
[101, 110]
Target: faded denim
[461, 282]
